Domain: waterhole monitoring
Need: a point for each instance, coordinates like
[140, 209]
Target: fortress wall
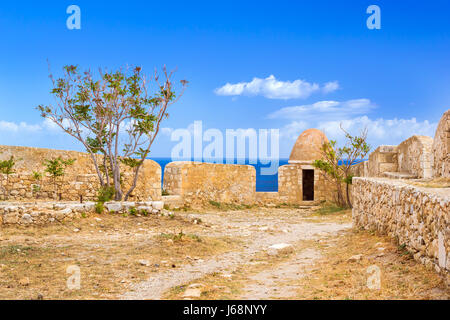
[383, 159]
[417, 217]
[199, 183]
[414, 156]
[80, 179]
[441, 148]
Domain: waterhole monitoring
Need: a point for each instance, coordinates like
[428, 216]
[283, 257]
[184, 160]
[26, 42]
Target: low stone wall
[417, 217]
[198, 183]
[80, 179]
[414, 156]
[41, 213]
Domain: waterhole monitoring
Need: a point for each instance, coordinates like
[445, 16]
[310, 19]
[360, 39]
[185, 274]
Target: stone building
[299, 181]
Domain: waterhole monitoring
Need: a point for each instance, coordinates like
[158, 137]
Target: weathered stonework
[441, 148]
[290, 184]
[80, 179]
[414, 156]
[199, 183]
[418, 217]
[383, 159]
[41, 213]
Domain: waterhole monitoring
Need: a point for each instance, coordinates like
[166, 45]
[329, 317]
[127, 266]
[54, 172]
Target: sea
[263, 182]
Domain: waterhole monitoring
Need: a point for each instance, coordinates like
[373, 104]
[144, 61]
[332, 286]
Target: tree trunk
[349, 203]
[133, 185]
[341, 201]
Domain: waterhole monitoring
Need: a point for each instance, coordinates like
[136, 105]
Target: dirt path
[260, 230]
[276, 283]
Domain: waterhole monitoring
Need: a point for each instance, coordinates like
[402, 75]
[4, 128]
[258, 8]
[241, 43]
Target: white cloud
[380, 131]
[330, 87]
[272, 88]
[325, 110]
[292, 130]
[18, 127]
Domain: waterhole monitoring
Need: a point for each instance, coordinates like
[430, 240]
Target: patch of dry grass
[337, 277]
[435, 183]
[34, 260]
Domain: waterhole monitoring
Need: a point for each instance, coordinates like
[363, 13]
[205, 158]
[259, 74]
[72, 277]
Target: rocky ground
[259, 253]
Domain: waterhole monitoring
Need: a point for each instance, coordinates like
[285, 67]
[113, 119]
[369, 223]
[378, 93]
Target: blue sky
[289, 65]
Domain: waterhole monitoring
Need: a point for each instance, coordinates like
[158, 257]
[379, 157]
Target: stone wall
[417, 217]
[441, 148]
[199, 183]
[414, 156]
[383, 159]
[40, 213]
[290, 186]
[80, 179]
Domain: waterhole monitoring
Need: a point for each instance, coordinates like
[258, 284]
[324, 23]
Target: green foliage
[57, 167]
[37, 175]
[165, 192]
[95, 109]
[133, 211]
[36, 188]
[130, 162]
[328, 209]
[99, 207]
[216, 204]
[337, 162]
[229, 206]
[6, 166]
[105, 194]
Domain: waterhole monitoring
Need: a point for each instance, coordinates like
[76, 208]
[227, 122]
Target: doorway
[308, 185]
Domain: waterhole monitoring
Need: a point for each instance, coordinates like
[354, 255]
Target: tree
[6, 168]
[114, 116]
[57, 168]
[337, 163]
[37, 177]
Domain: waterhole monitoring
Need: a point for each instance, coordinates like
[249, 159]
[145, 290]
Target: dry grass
[435, 183]
[335, 277]
[33, 260]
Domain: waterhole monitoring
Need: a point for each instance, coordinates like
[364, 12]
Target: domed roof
[308, 146]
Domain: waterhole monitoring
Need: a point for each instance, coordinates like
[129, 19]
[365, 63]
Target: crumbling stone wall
[417, 217]
[414, 156]
[80, 179]
[40, 213]
[383, 159]
[441, 148]
[199, 183]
